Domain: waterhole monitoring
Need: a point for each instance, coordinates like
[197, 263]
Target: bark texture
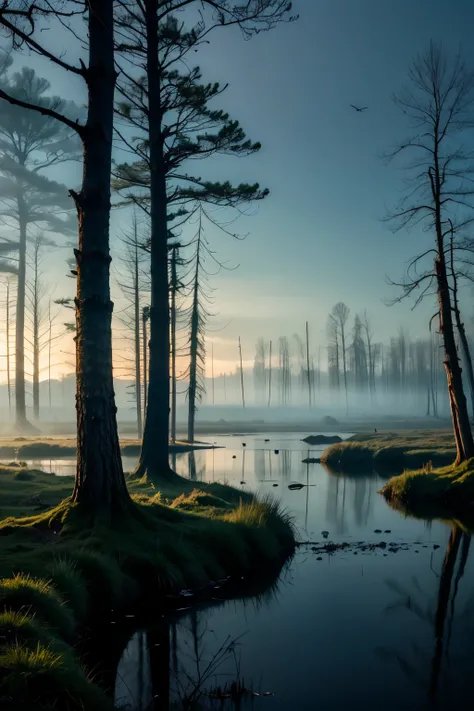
[100, 483]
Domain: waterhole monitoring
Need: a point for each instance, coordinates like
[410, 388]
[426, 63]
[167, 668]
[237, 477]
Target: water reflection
[228, 656]
[439, 673]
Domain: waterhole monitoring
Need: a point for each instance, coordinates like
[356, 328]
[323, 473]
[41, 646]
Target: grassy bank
[442, 492]
[391, 452]
[58, 569]
[57, 447]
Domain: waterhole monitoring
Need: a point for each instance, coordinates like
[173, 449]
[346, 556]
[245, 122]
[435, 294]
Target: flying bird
[357, 108]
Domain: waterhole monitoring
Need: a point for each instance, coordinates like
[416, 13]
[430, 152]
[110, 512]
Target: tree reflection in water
[422, 667]
[169, 666]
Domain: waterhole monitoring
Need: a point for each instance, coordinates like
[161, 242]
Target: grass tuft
[391, 452]
[23, 592]
[446, 491]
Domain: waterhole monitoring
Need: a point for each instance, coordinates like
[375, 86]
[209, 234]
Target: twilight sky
[318, 238]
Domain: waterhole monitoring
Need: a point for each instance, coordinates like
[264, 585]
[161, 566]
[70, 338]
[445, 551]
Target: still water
[358, 629]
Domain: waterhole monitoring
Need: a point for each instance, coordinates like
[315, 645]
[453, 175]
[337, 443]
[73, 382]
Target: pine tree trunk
[138, 379]
[145, 360]
[154, 459]
[193, 340]
[100, 482]
[174, 287]
[20, 398]
[35, 342]
[7, 328]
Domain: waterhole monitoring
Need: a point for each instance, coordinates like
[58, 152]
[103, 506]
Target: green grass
[443, 492]
[55, 561]
[391, 452]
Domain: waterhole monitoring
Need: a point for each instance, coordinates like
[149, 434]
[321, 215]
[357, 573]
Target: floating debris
[311, 460]
[277, 451]
[275, 484]
[325, 534]
[377, 530]
[388, 531]
[295, 486]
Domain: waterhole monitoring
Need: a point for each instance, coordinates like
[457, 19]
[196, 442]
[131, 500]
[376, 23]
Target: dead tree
[440, 101]
[340, 313]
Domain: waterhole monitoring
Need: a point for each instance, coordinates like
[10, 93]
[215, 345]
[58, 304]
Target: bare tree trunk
[20, 397]
[50, 336]
[270, 376]
[36, 345]
[462, 330]
[136, 324]
[174, 287]
[241, 375]
[212, 373]
[145, 359]
[154, 460]
[194, 343]
[344, 363]
[7, 328]
[100, 483]
[307, 367]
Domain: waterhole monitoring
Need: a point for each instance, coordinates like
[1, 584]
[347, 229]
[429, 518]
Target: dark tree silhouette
[171, 109]
[197, 347]
[100, 483]
[131, 280]
[440, 101]
[340, 313]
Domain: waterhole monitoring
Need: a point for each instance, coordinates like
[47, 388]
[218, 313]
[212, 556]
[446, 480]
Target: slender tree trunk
[212, 373]
[174, 288]
[136, 318]
[307, 367]
[241, 375]
[462, 330]
[270, 376]
[145, 359]
[154, 460]
[20, 397]
[100, 483]
[7, 328]
[194, 340]
[50, 336]
[36, 346]
[344, 364]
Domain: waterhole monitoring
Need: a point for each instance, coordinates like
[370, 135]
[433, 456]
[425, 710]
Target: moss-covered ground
[59, 569]
[435, 493]
[391, 452]
[41, 447]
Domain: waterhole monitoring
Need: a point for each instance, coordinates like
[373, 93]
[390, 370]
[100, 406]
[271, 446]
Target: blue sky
[318, 238]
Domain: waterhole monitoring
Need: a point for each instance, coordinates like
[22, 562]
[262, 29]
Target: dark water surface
[372, 630]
